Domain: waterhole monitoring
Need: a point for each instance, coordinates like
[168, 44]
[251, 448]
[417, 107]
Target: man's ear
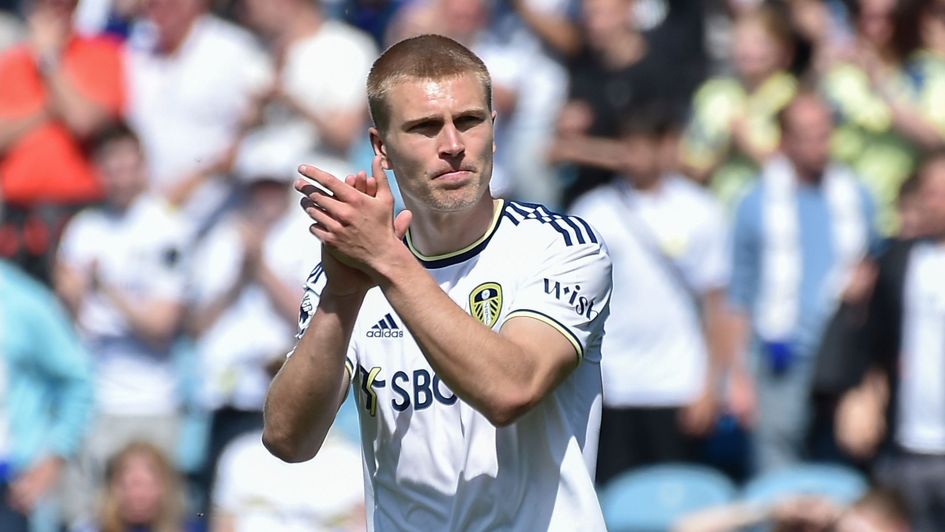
[377, 143]
[493, 130]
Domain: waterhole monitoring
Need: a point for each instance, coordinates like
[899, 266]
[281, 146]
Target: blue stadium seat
[839, 483]
[653, 498]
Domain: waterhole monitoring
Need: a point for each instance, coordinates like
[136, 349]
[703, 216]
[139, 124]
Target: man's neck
[171, 46]
[435, 233]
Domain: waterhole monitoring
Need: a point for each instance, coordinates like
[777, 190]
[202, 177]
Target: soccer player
[474, 349]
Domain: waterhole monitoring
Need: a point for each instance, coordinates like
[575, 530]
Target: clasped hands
[354, 223]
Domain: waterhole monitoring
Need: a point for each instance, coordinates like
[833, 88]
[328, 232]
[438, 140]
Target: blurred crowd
[768, 175]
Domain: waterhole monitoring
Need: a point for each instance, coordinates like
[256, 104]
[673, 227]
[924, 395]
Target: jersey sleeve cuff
[555, 324]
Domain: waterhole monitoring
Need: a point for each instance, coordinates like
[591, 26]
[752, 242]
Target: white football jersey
[431, 461]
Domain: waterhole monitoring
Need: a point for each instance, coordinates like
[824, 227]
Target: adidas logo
[386, 328]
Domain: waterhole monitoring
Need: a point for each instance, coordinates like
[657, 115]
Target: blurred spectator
[58, 90]
[921, 117]
[669, 242]
[905, 340]
[120, 272]
[317, 104]
[878, 510]
[823, 29]
[45, 394]
[798, 235]
[253, 490]
[733, 128]
[256, 491]
[528, 89]
[142, 493]
[613, 71]
[870, 93]
[246, 279]
[191, 90]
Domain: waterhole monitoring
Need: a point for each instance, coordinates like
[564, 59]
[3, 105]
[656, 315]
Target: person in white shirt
[897, 415]
[120, 272]
[191, 88]
[663, 366]
[316, 103]
[474, 349]
[245, 285]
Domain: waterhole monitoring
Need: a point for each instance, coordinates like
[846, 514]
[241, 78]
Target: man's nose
[451, 141]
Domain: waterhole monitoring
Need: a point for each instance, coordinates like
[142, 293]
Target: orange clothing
[48, 164]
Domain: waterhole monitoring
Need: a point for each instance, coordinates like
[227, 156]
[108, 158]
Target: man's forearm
[307, 392]
[82, 116]
[12, 129]
[495, 375]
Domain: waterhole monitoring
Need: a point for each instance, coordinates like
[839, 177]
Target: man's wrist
[47, 63]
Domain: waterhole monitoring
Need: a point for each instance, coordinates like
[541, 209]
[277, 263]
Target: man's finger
[322, 200]
[383, 187]
[402, 223]
[322, 218]
[331, 183]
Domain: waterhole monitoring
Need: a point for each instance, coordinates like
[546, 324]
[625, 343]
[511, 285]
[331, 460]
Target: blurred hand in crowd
[860, 418]
[27, 489]
[50, 25]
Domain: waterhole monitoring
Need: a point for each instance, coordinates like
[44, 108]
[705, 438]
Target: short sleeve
[570, 291]
[77, 236]
[313, 290]
[708, 264]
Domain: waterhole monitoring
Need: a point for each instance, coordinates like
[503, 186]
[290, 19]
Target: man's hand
[353, 224]
[742, 399]
[28, 488]
[698, 417]
[48, 32]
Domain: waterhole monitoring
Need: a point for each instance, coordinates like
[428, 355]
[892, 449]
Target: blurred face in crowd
[121, 170]
[805, 135]
[61, 8]
[173, 19]
[463, 19]
[757, 54]
[603, 19]
[932, 197]
[643, 158]
[932, 26]
[264, 15]
[910, 215]
[875, 21]
[439, 141]
[140, 489]
[269, 200]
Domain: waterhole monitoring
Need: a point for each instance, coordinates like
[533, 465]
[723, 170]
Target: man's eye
[425, 128]
[466, 122]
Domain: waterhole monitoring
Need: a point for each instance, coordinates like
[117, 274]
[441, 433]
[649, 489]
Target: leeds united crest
[485, 303]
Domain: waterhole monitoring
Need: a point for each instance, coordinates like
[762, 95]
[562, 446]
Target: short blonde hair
[425, 57]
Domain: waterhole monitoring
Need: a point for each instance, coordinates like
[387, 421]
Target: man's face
[122, 171]
[439, 141]
[932, 198]
[172, 17]
[806, 136]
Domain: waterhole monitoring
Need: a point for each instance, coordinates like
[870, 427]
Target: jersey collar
[462, 255]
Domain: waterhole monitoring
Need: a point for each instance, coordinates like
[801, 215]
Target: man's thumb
[402, 223]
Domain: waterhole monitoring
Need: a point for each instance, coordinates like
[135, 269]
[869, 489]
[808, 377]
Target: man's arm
[501, 374]
[305, 395]
[13, 129]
